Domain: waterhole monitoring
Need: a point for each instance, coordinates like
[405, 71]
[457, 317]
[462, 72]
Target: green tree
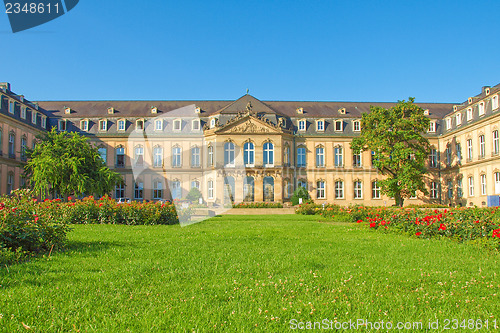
[300, 192]
[65, 163]
[395, 136]
[193, 195]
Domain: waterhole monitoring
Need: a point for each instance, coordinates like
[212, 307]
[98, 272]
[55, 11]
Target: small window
[139, 124]
[138, 190]
[434, 190]
[483, 184]
[84, 125]
[158, 125]
[33, 117]
[494, 102]
[357, 126]
[62, 125]
[157, 189]
[11, 107]
[67, 111]
[111, 110]
[44, 122]
[103, 125]
[320, 190]
[212, 122]
[339, 189]
[177, 125]
[121, 125]
[23, 112]
[375, 190]
[471, 186]
[448, 123]
[432, 127]
[458, 118]
[154, 110]
[338, 125]
[196, 125]
[302, 125]
[469, 114]
[358, 190]
[481, 109]
[320, 125]
[210, 186]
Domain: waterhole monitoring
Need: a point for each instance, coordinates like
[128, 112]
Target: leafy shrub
[193, 195]
[300, 192]
[258, 205]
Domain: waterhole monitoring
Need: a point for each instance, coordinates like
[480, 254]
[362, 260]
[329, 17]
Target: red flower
[100, 204]
[442, 226]
[476, 221]
[36, 219]
[14, 209]
[373, 225]
[418, 233]
[359, 221]
[69, 198]
[496, 233]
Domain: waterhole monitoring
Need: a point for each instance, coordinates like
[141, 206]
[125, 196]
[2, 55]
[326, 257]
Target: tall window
[139, 155]
[12, 145]
[1, 139]
[62, 125]
[494, 102]
[248, 189]
[434, 190]
[496, 143]
[483, 184]
[138, 190]
[459, 188]
[358, 190]
[338, 125]
[268, 154]
[10, 182]
[103, 125]
[469, 150]
[448, 155]
[121, 125]
[469, 114]
[210, 186]
[432, 127]
[356, 160]
[450, 189]
[11, 107]
[195, 157]
[120, 191]
[139, 124]
[338, 157]
[458, 118]
[375, 190]
[24, 144]
[103, 152]
[157, 189]
[120, 157]
[320, 125]
[302, 125]
[33, 116]
[301, 157]
[176, 157]
[210, 155]
[249, 153]
[357, 126]
[481, 109]
[320, 157]
[157, 157]
[177, 125]
[448, 123]
[497, 182]
[176, 189]
[458, 147]
[320, 189]
[339, 189]
[482, 146]
[471, 186]
[195, 125]
[286, 156]
[84, 125]
[229, 154]
[433, 157]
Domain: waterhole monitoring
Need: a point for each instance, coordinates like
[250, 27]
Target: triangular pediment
[249, 124]
[247, 103]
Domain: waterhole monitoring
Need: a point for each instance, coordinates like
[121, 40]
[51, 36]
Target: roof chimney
[5, 85]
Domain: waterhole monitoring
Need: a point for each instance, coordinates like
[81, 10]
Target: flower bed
[28, 226]
[258, 205]
[476, 225]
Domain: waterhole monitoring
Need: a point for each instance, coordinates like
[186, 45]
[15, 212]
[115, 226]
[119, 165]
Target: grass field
[238, 273]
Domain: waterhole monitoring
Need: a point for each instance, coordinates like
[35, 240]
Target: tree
[66, 164]
[193, 195]
[300, 192]
[400, 150]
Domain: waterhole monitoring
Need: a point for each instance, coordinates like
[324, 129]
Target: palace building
[253, 150]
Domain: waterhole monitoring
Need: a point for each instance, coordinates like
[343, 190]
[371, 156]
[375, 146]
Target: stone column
[259, 187]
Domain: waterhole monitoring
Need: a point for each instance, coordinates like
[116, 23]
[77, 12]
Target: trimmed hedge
[258, 205]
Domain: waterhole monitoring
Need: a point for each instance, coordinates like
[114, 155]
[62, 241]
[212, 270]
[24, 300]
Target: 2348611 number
[31, 8]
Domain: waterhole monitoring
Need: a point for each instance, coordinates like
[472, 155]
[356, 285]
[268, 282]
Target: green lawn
[245, 272]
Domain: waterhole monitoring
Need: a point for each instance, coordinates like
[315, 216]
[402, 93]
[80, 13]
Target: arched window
[157, 157]
[229, 154]
[286, 155]
[320, 157]
[301, 157]
[268, 154]
[175, 189]
[248, 189]
[268, 188]
[24, 144]
[339, 157]
[120, 157]
[249, 153]
[229, 189]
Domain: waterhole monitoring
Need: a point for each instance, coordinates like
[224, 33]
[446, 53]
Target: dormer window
[139, 124]
[103, 125]
[23, 112]
[67, 110]
[44, 122]
[177, 125]
[11, 107]
[195, 124]
[302, 125]
[212, 122]
[494, 102]
[84, 125]
[111, 110]
[62, 125]
[158, 125]
[469, 100]
[481, 109]
[356, 126]
[33, 117]
[339, 125]
[455, 107]
[458, 118]
[197, 110]
[448, 123]
[432, 127]
[121, 125]
[469, 114]
[426, 112]
[487, 91]
[320, 125]
[300, 111]
[342, 111]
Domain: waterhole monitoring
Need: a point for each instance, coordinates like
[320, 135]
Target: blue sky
[436, 51]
